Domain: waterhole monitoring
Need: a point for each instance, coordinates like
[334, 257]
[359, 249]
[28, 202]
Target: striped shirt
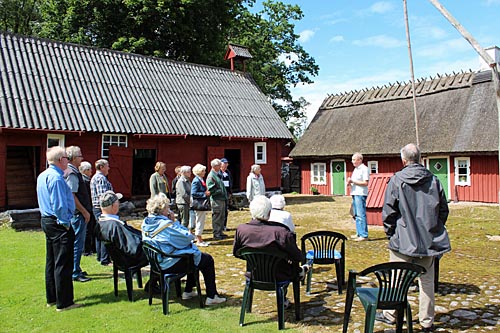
[98, 185]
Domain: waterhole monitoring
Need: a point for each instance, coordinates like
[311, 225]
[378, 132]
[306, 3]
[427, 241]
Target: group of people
[414, 215]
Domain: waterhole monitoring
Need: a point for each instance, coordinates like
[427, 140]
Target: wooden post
[494, 68]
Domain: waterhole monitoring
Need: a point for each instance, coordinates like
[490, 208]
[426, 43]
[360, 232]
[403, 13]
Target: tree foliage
[196, 31]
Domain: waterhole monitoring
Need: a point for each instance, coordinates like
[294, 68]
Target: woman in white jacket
[255, 183]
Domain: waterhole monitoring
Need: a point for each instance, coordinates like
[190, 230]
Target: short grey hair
[185, 169]
[254, 168]
[215, 162]
[357, 155]
[84, 166]
[72, 152]
[99, 164]
[157, 204]
[260, 207]
[54, 154]
[278, 201]
[198, 169]
[410, 153]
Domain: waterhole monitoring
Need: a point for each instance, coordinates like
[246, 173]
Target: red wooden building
[131, 109]
[458, 127]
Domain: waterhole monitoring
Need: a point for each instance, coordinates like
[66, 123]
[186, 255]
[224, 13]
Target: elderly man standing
[81, 216]
[218, 199]
[414, 215]
[359, 191]
[85, 169]
[57, 205]
[98, 185]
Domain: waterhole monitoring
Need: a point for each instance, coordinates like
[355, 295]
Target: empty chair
[394, 280]
[153, 254]
[324, 248]
[262, 266]
[129, 268]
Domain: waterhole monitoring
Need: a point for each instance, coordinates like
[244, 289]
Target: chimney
[238, 53]
[494, 52]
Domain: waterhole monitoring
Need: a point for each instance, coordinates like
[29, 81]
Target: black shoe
[84, 273]
[379, 316]
[106, 263]
[82, 278]
[221, 237]
[428, 329]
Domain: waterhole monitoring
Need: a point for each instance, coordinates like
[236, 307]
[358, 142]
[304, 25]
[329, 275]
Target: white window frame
[316, 178]
[59, 137]
[375, 165]
[458, 176]
[112, 140]
[260, 152]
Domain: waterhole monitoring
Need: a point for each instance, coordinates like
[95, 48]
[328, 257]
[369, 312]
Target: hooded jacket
[415, 212]
[170, 237]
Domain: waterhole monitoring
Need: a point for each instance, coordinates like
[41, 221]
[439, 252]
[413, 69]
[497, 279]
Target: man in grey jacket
[414, 215]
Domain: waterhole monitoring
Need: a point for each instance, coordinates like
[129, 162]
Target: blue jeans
[359, 206]
[102, 253]
[80, 228]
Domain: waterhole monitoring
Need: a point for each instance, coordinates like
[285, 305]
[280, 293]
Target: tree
[17, 16]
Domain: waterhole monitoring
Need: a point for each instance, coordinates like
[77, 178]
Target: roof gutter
[180, 136]
[238, 138]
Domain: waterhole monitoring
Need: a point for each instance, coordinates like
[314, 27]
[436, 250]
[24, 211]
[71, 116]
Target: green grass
[473, 264]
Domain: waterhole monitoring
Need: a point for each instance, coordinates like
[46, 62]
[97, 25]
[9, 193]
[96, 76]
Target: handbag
[201, 204]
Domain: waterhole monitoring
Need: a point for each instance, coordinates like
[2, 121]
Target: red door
[120, 175]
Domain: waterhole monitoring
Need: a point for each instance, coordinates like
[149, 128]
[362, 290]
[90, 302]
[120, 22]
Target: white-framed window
[119, 140]
[318, 173]
[462, 171]
[54, 140]
[373, 166]
[260, 150]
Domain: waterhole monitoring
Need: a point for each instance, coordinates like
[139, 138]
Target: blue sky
[362, 43]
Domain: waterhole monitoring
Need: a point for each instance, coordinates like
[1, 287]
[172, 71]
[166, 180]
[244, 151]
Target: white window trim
[369, 163]
[262, 160]
[117, 135]
[313, 182]
[457, 180]
[59, 137]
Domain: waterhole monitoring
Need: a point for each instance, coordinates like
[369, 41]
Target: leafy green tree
[17, 16]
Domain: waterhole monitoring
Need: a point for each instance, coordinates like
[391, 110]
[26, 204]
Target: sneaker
[379, 316]
[428, 329]
[215, 300]
[49, 305]
[186, 295]
[203, 244]
[354, 236]
[72, 306]
[361, 239]
[303, 271]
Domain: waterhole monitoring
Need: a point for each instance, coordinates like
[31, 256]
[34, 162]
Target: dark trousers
[59, 262]
[207, 268]
[102, 253]
[90, 236]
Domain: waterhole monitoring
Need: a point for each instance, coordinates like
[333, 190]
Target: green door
[439, 167]
[338, 177]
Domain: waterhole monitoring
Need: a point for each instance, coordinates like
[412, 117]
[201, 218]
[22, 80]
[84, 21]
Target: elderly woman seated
[278, 214]
[161, 230]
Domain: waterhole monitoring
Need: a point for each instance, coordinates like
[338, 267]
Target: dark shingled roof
[456, 113]
[50, 85]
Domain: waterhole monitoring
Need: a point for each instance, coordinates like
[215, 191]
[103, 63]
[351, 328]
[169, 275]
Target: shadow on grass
[446, 288]
[464, 324]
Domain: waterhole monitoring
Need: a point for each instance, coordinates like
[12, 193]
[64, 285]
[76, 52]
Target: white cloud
[336, 39]
[443, 49]
[381, 7]
[491, 2]
[287, 58]
[306, 35]
[382, 41]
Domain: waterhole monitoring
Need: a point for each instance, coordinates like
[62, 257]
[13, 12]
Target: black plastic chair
[165, 277]
[262, 265]
[120, 263]
[394, 280]
[328, 247]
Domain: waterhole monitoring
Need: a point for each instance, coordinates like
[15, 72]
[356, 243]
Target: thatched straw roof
[457, 114]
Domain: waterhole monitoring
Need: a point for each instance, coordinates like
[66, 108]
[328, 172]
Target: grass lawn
[469, 281]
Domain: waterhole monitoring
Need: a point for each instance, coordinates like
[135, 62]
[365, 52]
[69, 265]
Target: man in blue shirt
[56, 208]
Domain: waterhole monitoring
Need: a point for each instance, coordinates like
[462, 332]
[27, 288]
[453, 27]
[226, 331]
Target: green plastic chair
[394, 280]
[324, 248]
[262, 265]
